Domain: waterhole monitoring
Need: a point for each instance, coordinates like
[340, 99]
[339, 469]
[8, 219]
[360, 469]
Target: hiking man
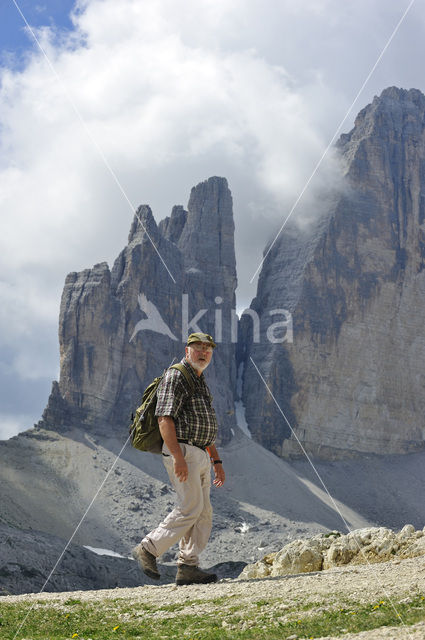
[188, 426]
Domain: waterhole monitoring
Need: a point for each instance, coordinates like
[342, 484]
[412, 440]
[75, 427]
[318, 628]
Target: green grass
[110, 619]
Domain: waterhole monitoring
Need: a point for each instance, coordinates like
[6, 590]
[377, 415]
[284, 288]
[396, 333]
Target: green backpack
[144, 429]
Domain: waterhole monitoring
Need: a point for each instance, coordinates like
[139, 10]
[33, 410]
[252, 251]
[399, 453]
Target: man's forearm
[220, 476]
[213, 452]
[168, 433]
[167, 429]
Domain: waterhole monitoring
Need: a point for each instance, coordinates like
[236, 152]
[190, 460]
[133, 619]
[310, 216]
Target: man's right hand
[180, 468]
[168, 433]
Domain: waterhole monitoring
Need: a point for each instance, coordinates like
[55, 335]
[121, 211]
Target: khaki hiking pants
[189, 523]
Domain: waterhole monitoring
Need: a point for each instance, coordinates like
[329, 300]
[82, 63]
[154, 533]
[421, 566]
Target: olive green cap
[201, 337]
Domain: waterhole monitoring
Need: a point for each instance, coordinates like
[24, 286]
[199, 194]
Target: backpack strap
[180, 367]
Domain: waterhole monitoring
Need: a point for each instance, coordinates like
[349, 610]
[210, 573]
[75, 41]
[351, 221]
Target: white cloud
[11, 425]
[173, 92]
[151, 101]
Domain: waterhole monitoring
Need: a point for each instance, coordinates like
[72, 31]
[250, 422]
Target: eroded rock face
[352, 380]
[363, 546]
[120, 328]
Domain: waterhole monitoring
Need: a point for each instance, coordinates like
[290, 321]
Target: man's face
[199, 355]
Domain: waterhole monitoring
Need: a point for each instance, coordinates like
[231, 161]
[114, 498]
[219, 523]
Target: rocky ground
[274, 600]
[29, 564]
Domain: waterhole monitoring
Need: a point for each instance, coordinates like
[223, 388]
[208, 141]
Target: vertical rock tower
[120, 328]
[353, 379]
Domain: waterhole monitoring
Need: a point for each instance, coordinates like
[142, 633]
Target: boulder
[363, 546]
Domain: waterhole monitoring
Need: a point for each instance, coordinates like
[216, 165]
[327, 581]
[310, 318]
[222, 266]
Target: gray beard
[197, 366]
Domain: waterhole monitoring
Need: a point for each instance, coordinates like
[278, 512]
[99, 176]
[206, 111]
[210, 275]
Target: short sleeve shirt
[193, 413]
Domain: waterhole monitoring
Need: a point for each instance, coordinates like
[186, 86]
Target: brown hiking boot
[147, 561]
[189, 574]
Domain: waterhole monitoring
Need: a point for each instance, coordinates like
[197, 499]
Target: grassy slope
[209, 619]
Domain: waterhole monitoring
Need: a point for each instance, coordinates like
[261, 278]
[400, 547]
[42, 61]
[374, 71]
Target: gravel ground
[415, 632]
[391, 581]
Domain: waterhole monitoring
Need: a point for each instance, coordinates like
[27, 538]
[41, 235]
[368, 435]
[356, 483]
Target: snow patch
[239, 378]
[239, 405]
[103, 552]
[240, 418]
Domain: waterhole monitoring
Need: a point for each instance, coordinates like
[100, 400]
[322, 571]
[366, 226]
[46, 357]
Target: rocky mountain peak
[207, 238]
[396, 116]
[172, 226]
[119, 329]
[143, 225]
[404, 97]
[354, 282]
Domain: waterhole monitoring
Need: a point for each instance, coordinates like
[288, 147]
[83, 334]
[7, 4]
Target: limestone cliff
[120, 328]
[353, 378]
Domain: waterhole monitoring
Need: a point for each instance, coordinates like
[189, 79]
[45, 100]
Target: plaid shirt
[193, 413]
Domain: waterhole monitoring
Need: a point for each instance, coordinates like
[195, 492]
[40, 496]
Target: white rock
[407, 531]
[297, 560]
[258, 570]
[372, 544]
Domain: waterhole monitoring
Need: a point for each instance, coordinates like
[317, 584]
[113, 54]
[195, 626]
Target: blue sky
[165, 93]
[21, 399]
[14, 37]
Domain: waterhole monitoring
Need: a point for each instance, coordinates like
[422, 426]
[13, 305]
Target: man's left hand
[220, 476]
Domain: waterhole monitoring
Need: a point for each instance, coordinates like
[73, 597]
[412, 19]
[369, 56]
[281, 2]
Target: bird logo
[153, 321]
